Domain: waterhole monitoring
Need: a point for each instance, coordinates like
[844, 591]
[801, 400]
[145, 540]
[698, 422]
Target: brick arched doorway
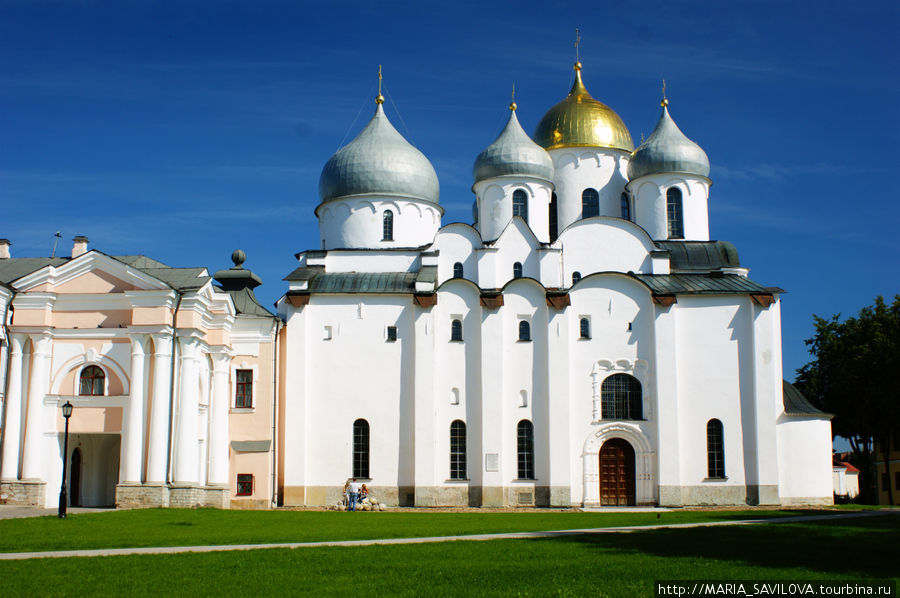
[616, 473]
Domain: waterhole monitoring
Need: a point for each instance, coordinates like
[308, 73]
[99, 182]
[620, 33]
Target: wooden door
[616, 473]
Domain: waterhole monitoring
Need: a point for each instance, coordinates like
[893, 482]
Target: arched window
[553, 219]
[456, 330]
[715, 449]
[92, 382]
[457, 270]
[590, 203]
[525, 449]
[457, 450]
[520, 204]
[626, 207]
[620, 396]
[475, 213]
[360, 449]
[388, 226]
[674, 213]
[524, 330]
[584, 327]
[576, 276]
[517, 270]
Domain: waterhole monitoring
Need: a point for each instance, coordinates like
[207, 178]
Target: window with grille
[517, 270]
[457, 270]
[524, 330]
[626, 207]
[584, 327]
[360, 449]
[520, 204]
[388, 226]
[92, 382]
[525, 449]
[391, 334]
[243, 389]
[576, 276]
[590, 203]
[715, 449]
[458, 450]
[456, 330]
[620, 397]
[674, 213]
[245, 484]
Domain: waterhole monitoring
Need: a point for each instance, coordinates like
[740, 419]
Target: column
[133, 436]
[32, 459]
[12, 423]
[187, 462]
[157, 447]
[219, 407]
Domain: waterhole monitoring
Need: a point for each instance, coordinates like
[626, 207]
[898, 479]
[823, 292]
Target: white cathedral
[582, 343]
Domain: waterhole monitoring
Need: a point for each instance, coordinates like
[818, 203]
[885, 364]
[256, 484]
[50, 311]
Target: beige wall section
[256, 464]
[282, 491]
[95, 281]
[32, 317]
[92, 319]
[91, 420]
[218, 336]
[152, 316]
[186, 318]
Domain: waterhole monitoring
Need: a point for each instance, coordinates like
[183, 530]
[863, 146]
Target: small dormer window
[92, 382]
[388, 226]
[626, 207]
[520, 204]
[517, 270]
[674, 213]
[458, 270]
[590, 203]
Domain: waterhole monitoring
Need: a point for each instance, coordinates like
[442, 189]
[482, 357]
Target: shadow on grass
[865, 547]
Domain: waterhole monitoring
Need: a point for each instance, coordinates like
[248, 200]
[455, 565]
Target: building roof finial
[665, 101]
[379, 99]
[513, 105]
[577, 43]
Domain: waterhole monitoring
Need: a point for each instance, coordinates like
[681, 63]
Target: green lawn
[596, 565]
[180, 527]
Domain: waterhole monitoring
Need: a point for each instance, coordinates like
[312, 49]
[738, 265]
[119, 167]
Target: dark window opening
[93, 382]
[584, 327]
[391, 334]
[553, 219]
[244, 484]
[360, 449]
[517, 270]
[458, 450]
[520, 204]
[456, 330]
[524, 331]
[243, 389]
[525, 449]
[620, 397]
[388, 226]
[590, 203]
[715, 449]
[674, 213]
[626, 207]
[576, 276]
[457, 270]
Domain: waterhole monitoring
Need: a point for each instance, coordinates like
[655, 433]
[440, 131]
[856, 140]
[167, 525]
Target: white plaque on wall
[492, 462]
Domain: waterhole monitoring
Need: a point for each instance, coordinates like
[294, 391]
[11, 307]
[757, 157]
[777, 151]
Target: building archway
[617, 474]
[637, 435]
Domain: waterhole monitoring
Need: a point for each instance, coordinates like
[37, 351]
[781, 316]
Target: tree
[853, 377]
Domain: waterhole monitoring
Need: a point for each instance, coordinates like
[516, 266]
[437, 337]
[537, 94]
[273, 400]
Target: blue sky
[184, 130]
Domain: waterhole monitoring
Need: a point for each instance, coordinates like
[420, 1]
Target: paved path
[8, 556]
[17, 512]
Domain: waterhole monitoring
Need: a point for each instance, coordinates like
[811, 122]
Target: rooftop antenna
[57, 236]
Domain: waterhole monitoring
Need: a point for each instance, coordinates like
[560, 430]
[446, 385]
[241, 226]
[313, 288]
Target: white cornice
[34, 300]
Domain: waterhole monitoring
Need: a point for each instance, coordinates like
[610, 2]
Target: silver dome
[667, 150]
[379, 161]
[513, 153]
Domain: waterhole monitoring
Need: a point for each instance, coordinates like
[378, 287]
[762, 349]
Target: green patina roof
[686, 256]
[796, 404]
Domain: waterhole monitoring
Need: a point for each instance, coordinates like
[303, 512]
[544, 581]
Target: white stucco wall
[649, 204]
[580, 168]
[357, 221]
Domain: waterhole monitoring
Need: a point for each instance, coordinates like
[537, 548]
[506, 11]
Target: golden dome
[581, 121]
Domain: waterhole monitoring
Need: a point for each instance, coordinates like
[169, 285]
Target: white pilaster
[218, 418]
[157, 447]
[667, 408]
[425, 470]
[492, 433]
[12, 422]
[32, 459]
[133, 440]
[187, 462]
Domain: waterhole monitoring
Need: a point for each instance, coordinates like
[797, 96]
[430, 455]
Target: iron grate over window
[361, 449]
[458, 450]
[525, 449]
[620, 397]
[244, 484]
[715, 449]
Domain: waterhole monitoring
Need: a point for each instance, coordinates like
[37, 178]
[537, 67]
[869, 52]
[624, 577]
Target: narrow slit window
[553, 219]
[517, 270]
[391, 334]
[361, 449]
[388, 226]
[520, 204]
[525, 449]
[458, 270]
[456, 330]
[458, 450]
[674, 213]
[590, 203]
[715, 449]
[584, 326]
[626, 207]
[524, 330]
[576, 276]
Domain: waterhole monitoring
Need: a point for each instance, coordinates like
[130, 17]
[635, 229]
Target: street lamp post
[63, 495]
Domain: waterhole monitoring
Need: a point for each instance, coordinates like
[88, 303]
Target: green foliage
[586, 565]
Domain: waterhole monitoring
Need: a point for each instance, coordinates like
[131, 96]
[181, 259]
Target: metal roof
[14, 268]
[362, 282]
[796, 404]
[686, 256]
[701, 284]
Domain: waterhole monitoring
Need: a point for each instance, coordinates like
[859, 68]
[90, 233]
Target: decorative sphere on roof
[668, 150]
[513, 153]
[379, 161]
[581, 121]
[238, 257]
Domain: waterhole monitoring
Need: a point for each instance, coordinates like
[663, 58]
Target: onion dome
[513, 153]
[379, 161]
[581, 121]
[668, 150]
